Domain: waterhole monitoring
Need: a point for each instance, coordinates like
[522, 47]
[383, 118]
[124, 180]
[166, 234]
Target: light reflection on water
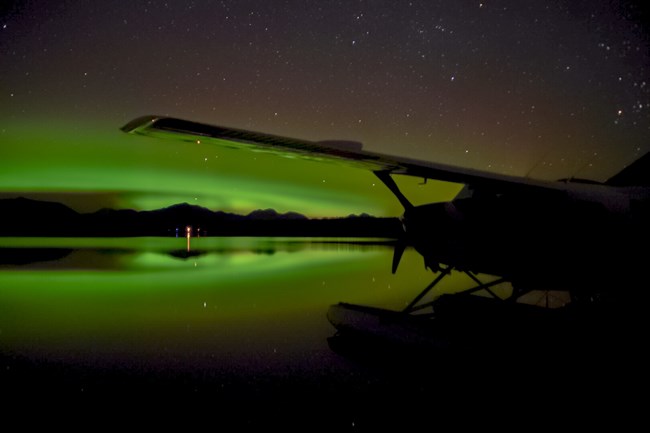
[243, 305]
[237, 322]
[145, 297]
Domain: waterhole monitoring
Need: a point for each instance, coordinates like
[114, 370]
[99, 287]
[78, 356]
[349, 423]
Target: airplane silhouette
[584, 238]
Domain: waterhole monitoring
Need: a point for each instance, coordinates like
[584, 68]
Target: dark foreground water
[237, 324]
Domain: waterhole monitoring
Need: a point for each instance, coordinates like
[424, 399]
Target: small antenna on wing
[541, 161]
[575, 173]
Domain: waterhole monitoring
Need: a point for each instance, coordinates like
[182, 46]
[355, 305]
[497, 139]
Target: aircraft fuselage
[562, 236]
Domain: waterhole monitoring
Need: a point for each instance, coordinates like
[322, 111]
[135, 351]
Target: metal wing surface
[343, 152]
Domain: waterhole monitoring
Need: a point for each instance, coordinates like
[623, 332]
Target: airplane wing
[348, 153]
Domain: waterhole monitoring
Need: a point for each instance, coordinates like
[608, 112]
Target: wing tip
[140, 123]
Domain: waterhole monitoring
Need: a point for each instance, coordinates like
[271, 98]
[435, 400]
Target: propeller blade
[397, 254]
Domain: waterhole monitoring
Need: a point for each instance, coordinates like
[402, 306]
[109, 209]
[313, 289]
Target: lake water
[255, 303]
[233, 314]
[228, 320]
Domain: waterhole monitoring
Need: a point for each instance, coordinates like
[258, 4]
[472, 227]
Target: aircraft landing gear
[417, 305]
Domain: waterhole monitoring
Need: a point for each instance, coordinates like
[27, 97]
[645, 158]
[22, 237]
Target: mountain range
[26, 217]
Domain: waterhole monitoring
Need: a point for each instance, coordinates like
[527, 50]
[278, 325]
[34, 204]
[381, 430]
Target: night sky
[546, 89]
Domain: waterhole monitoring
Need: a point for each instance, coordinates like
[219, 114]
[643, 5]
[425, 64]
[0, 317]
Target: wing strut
[384, 176]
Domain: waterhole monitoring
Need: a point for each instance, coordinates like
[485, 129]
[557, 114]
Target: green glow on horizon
[147, 173]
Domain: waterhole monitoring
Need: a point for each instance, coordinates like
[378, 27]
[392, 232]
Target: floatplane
[578, 240]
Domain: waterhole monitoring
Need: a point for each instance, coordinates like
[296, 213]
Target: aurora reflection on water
[251, 301]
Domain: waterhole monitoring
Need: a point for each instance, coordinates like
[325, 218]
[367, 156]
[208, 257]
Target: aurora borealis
[547, 89]
[90, 169]
[235, 332]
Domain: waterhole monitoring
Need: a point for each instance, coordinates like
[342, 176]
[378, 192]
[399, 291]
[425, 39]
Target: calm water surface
[232, 321]
[257, 302]
[230, 306]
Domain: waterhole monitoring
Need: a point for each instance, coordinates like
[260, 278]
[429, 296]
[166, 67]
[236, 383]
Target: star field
[546, 89]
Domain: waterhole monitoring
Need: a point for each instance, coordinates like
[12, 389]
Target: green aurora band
[108, 168]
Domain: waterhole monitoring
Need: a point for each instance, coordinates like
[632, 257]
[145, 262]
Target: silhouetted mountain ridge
[27, 217]
[270, 214]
